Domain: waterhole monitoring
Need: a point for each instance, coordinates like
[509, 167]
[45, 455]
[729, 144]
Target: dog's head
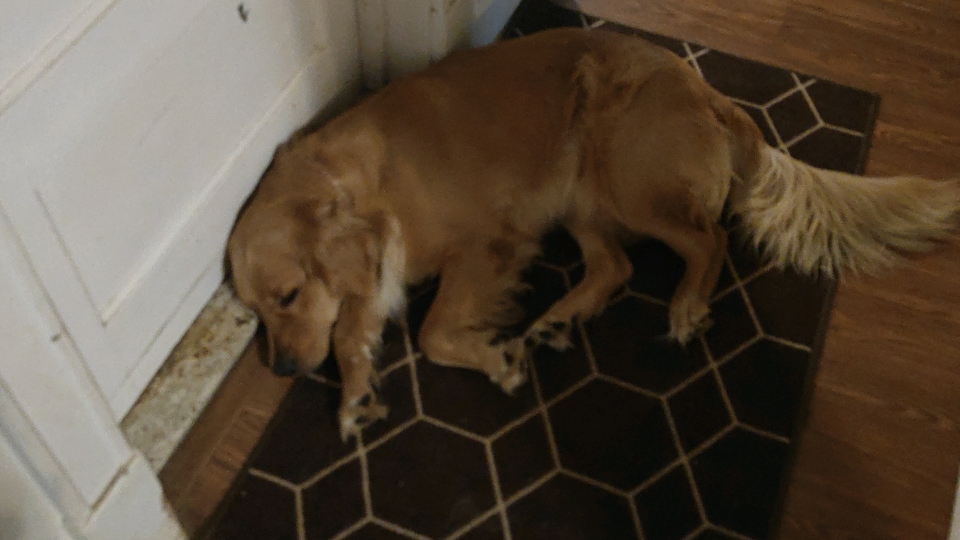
[297, 251]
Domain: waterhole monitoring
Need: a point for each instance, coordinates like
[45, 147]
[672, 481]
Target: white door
[131, 132]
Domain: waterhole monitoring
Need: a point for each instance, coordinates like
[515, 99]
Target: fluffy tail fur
[818, 220]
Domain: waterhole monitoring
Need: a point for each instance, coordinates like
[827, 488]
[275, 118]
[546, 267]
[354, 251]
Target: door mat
[626, 436]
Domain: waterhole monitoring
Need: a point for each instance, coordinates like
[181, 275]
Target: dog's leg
[716, 263]
[459, 327]
[356, 338]
[701, 246]
[607, 268]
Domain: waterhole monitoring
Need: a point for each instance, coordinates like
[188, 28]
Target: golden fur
[458, 170]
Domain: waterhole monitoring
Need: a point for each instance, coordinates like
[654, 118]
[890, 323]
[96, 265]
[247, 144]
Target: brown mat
[626, 436]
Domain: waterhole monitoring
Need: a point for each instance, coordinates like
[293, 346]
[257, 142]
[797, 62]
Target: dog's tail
[819, 220]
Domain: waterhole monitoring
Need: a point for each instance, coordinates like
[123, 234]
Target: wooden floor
[880, 455]
[200, 472]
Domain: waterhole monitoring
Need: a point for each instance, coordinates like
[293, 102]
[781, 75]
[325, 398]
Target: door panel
[124, 162]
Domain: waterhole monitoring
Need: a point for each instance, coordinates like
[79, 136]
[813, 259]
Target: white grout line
[842, 129]
[273, 479]
[692, 59]
[455, 429]
[470, 525]
[763, 433]
[329, 469]
[398, 529]
[563, 395]
[638, 527]
[729, 532]
[657, 476]
[753, 314]
[692, 535]
[803, 90]
[595, 483]
[711, 441]
[497, 491]
[322, 380]
[545, 414]
[627, 386]
[684, 460]
[787, 343]
[773, 129]
[301, 520]
[529, 489]
[688, 381]
[391, 434]
[352, 529]
[646, 297]
[365, 477]
[514, 424]
[802, 135]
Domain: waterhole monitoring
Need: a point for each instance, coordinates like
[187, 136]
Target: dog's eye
[288, 298]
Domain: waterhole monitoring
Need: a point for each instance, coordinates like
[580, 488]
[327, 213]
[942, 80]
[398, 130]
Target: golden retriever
[458, 170]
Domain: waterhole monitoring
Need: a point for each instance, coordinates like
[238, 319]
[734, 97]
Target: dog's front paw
[553, 334]
[688, 316]
[359, 413]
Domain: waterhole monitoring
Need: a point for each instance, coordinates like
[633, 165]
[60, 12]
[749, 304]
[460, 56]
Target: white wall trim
[955, 522]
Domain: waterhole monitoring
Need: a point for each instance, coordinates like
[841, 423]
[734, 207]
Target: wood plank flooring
[879, 457]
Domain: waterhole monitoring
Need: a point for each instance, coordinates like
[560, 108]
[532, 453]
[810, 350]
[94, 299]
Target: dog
[457, 171]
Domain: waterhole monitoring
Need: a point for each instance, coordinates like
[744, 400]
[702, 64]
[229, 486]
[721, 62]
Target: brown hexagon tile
[739, 481]
[559, 371]
[843, 106]
[629, 342]
[699, 412]
[789, 305]
[429, 480]
[830, 149]
[612, 434]
[452, 395]
[372, 531]
[732, 324]
[305, 437]
[259, 509]
[744, 79]
[667, 509]
[566, 509]
[792, 116]
[761, 120]
[522, 456]
[713, 534]
[334, 503]
[489, 529]
[765, 383]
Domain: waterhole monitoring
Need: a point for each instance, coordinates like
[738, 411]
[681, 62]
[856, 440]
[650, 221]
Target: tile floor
[625, 436]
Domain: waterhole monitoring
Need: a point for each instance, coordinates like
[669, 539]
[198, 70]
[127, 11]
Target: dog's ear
[346, 247]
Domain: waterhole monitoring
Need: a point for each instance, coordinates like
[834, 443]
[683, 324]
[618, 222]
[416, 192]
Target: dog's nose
[285, 366]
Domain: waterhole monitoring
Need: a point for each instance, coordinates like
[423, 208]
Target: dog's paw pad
[360, 414]
[555, 335]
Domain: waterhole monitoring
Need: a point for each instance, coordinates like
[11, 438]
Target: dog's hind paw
[361, 413]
